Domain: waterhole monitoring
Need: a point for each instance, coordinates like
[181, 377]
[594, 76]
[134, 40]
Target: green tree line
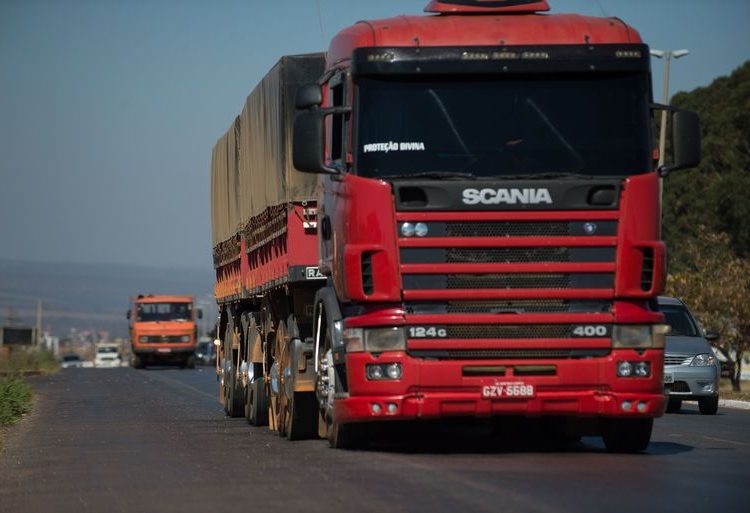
[706, 216]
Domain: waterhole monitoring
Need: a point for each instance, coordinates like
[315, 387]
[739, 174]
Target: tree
[716, 285]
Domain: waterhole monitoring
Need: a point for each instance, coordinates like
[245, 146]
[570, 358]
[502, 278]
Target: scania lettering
[507, 196]
[481, 193]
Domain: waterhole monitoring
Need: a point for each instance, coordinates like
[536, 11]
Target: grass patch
[29, 360]
[15, 400]
[726, 392]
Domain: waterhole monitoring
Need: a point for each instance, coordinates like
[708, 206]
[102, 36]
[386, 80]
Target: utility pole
[38, 322]
[667, 56]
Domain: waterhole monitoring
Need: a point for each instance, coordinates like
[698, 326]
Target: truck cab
[163, 330]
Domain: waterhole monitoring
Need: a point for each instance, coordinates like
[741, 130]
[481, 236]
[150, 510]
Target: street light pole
[667, 56]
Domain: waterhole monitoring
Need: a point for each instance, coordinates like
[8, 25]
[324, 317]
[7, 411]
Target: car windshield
[680, 321]
[106, 350]
[165, 311]
[487, 127]
[71, 358]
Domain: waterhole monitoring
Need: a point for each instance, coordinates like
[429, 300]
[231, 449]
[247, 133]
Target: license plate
[164, 350]
[668, 378]
[517, 390]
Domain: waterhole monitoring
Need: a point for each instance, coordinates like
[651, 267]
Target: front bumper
[436, 389]
[691, 382]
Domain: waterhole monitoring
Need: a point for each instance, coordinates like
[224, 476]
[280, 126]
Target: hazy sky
[109, 109]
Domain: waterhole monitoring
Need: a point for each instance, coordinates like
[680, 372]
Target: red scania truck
[483, 239]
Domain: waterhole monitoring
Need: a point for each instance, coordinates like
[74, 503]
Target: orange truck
[163, 330]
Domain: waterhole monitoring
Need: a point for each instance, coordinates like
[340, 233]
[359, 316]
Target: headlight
[354, 340]
[385, 339]
[375, 340]
[185, 338]
[702, 360]
[143, 340]
[637, 336]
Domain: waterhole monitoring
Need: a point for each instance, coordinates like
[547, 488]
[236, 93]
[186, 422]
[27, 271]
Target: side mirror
[127, 315]
[712, 336]
[686, 140]
[308, 96]
[200, 313]
[307, 142]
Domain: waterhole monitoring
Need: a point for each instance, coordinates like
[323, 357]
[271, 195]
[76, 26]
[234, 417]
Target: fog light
[376, 409]
[407, 230]
[642, 369]
[420, 229]
[707, 387]
[626, 405]
[392, 408]
[374, 372]
[624, 369]
[641, 407]
[393, 370]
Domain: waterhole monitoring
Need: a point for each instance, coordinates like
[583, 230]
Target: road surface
[122, 440]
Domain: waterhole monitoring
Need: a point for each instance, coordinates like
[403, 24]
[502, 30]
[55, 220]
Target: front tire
[627, 435]
[137, 362]
[673, 405]
[347, 436]
[708, 405]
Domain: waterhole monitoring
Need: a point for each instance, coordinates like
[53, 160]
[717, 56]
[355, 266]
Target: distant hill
[92, 296]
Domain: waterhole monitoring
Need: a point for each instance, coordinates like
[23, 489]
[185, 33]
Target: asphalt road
[123, 440]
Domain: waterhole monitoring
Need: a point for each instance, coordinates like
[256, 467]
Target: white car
[107, 355]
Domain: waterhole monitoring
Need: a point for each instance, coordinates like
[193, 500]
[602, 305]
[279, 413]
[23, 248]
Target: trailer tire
[256, 407]
[234, 402]
[627, 435]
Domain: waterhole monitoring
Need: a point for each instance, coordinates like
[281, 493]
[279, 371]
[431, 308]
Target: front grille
[507, 229]
[511, 331]
[677, 386]
[161, 339]
[560, 255]
[671, 359]
[508, 281]
[516, 354]
[521, 228]
[510, 306]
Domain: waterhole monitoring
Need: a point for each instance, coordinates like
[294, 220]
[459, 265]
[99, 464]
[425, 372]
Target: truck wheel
[347, 436]
[137, 362]
[301, 416]
[256, 406]
[674, 404]
[708, 405]
[627, 435]
[190, 363]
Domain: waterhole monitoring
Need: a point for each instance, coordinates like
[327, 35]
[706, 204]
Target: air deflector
[486, 6]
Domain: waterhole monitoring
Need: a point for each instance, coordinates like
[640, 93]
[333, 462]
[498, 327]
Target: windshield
[165, 311]
[106, 350]
[594, 124]
[680, 320]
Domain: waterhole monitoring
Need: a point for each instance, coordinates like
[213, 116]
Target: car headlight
[638, 336]
[385, 339]
[375, 340]
[703, 360]
[185, 338]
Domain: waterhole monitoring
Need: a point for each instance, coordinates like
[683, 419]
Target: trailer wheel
[256, 407]
[627, 435]
[234, 402]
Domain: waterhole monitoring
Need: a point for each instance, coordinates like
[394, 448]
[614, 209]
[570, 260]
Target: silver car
[691, 369]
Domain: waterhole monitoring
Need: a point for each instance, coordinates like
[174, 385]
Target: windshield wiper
[438, 175]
